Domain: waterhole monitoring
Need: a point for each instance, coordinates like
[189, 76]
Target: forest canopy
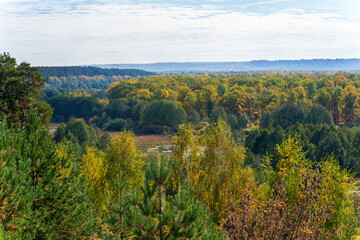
[268, 157]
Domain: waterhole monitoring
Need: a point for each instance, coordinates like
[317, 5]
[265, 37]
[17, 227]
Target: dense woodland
[322, 110]
[255, 157]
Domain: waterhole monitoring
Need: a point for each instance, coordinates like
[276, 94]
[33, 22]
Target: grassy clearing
[144, 142]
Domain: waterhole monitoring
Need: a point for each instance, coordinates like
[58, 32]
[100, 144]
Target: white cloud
[125, 33]
[265, 2]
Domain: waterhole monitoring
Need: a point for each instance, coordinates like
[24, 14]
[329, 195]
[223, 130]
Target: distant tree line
[47, 72]
[77, 77]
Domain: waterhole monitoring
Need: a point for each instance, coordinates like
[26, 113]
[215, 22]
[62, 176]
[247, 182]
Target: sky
[79, 32]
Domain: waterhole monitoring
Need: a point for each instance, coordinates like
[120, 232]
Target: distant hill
[90, 71]
[261, 65]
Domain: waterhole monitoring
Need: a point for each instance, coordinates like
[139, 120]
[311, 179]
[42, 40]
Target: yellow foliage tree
[206, 94]
[121, 164]
[168, 94]
[231, 101]
[213, 165]
[144, 94]
[124, 163]
[113, 84]
[95, 172]
[221, 174]
[336, 185]
[291, 163]
[350, 102]
[187, 98]
[187, 154]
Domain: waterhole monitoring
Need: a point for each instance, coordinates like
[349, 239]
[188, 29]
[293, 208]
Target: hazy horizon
[149, 63]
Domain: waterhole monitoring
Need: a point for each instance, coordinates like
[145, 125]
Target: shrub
[117, 124]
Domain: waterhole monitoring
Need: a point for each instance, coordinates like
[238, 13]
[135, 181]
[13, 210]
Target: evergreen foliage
[155, 217]
[193, 117]
[232, 121]
[318, 115]
[78, 129]
[289, 114]
[20, 86]
[118, 124]
[42, 195]
[244, 120]
[217, 113]
[164, 113]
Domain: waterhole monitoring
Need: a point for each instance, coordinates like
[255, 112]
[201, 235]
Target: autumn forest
[248, 155]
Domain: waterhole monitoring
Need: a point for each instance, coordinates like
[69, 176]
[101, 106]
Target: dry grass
[144, 142]
[150, 139]
[54, 125]
[154, 139]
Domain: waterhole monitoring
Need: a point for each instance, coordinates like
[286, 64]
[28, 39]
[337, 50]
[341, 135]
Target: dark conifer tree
[157, 217]
[43, 195]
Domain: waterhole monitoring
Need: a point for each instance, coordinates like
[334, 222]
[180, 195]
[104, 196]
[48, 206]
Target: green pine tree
[114, 217]
[156, 216]
[41, 195]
